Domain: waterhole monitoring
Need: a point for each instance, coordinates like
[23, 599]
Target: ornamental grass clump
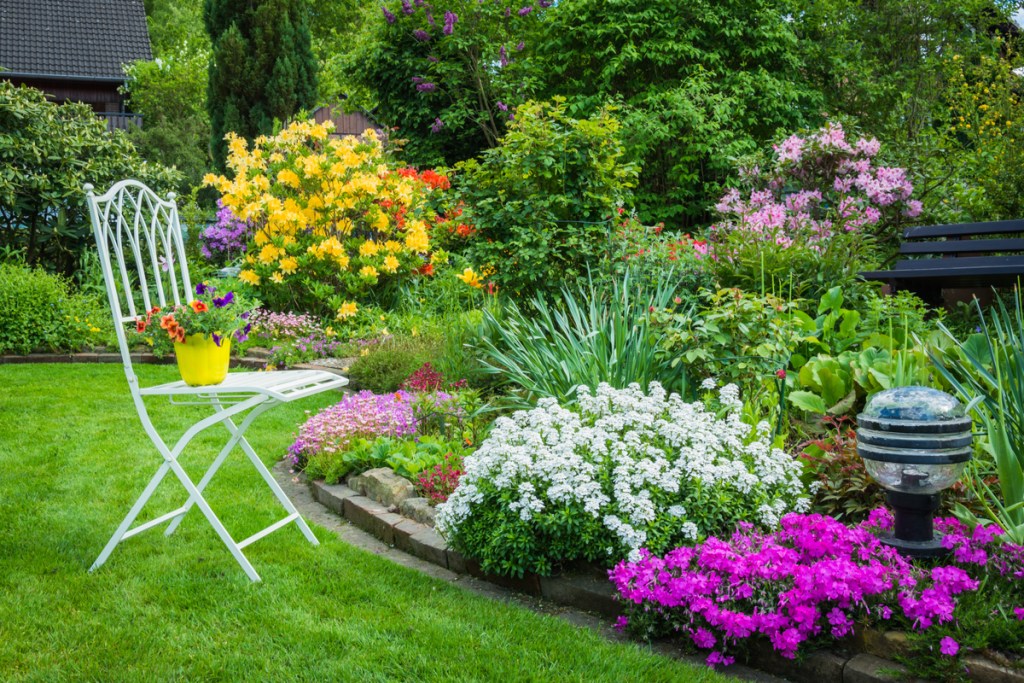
[813, 577]
[624, 470]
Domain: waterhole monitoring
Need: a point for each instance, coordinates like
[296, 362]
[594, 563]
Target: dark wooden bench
[937, 257]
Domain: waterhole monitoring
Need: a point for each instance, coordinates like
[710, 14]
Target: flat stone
[419, 509]
[584, 592]
[17, 359]
[108, 358]
[986, 671]
[457, 562]
[428, 545]
[871, 669]
[362, 512]
[884, 644]
[816, 667]
[403, 530]
[332, 495]
[383, 485]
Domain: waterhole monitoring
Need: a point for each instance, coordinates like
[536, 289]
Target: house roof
[74, 39]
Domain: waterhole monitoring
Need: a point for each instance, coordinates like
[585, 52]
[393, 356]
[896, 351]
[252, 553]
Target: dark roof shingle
[76, 38]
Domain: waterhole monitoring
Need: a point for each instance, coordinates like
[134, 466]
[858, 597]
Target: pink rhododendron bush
[813, 577]
[821, 203]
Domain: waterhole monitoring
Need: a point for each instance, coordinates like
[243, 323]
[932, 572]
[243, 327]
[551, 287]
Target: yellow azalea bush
[331, 219]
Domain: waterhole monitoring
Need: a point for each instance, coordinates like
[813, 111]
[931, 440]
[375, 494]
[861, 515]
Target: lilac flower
[432, 59]
[520, 46]
[430, 18]
[426, 87]
[407, 7]
[421, 35]
[436, 126]
[227, 236]
[503, 56]
[416, 79]
[387, 15]
[449, 22]
[502, 106]
[525, 10]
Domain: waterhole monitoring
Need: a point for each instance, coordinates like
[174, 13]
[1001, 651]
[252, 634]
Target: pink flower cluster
[812, 577]
[360, 415]
[818, 186]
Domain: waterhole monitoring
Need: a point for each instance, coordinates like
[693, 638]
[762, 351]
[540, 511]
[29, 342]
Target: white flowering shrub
[623, 470]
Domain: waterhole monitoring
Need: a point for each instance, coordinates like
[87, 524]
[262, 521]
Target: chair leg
[196, 497]
[132, 515]
[282, 497]
[236, 436]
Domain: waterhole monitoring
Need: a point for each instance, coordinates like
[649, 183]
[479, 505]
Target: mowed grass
[73, 458]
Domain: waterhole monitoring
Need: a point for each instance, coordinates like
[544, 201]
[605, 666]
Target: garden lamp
[915, 442]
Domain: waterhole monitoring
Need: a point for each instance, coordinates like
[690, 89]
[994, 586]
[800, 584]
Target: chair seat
[283, 385]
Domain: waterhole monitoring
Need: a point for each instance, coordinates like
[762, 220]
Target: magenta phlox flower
[949, 647]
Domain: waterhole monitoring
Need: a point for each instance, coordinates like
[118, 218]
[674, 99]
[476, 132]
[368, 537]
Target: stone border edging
[871, 664]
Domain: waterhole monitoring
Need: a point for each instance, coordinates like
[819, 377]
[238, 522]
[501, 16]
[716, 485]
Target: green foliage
[733, 336]
[262, 69]
[587, 335]
[987, 371]
[704, 82]
[407, 457]
[542, 201]
[47, 152]
[481, 70]
[38, 311]
[175, 24]
[170, 95]
[386, 365]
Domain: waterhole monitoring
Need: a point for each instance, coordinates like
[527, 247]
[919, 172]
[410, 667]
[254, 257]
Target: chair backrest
[142, 254]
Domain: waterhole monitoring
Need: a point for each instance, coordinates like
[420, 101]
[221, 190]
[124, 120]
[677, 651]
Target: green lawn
[72, 460]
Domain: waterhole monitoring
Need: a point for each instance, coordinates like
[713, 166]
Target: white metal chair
[141, 250]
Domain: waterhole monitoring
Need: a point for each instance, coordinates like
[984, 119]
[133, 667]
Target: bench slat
[963, 229]
[962, 246]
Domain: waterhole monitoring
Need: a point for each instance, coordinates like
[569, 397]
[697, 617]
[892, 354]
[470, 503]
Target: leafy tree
[704, 81]
[263, 67]
[542, 201]
[170, 95]
[449, 75]
[47, 152]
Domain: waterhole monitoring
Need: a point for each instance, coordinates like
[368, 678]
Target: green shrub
[47, 152]
[541, 202]
[39, 311]
[386, 365]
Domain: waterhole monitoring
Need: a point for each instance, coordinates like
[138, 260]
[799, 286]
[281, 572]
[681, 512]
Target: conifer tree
[262, 68]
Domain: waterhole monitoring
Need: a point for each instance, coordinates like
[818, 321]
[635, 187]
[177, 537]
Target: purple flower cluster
[282, 326]
[811, 577]
[365, 415]
[225, 237]
[818, 186]
[450, 18]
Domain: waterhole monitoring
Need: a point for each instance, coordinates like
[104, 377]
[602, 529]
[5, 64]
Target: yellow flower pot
[201, 362]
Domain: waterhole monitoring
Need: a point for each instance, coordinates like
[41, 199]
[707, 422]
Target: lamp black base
[930, 548]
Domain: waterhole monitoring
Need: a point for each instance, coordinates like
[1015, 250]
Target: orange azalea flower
[198, 306]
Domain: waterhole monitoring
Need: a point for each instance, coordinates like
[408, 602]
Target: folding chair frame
[131, 215]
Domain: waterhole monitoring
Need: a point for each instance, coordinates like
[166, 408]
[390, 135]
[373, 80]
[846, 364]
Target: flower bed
[624, 471]
[811, 578]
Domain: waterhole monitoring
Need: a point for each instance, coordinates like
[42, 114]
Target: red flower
[140, 325]
[781, 374]
[198, 306]
[427, 269]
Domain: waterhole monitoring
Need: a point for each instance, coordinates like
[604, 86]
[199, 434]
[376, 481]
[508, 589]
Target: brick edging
[592, 594]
